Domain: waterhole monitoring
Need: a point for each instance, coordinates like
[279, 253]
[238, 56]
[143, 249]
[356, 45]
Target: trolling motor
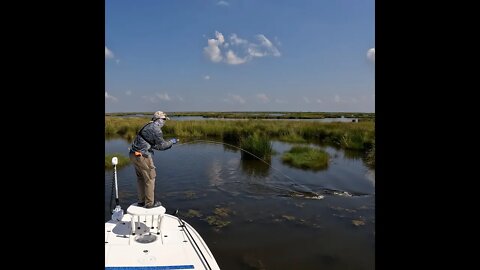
[117, 213]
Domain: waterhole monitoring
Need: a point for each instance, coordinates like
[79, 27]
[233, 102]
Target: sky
[240, 55]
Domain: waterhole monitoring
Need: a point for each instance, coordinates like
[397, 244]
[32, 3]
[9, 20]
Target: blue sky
[240, 55]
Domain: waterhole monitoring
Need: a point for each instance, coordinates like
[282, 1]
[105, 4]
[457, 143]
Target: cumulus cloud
[235, 40]
[223, 3]
[319, 100]
[213, 49]
[263, 98]
[371, 54]
[128, 93]
[110, 97]
[238, 50]
[206, 77]
[233, 59]
[108, 53]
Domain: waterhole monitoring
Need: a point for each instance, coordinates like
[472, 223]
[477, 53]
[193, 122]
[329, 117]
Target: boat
[151, 239]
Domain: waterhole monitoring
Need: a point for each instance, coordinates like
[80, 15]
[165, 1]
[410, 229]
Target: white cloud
[337, 98]
[307, 100]
[263, 98]
[268, 45]
[253, 51]
[108, 53]
[180, 98]
[223, 3]
[219, 37]
[371, 54]
[232, 59]
[213, 50]
[280, 101]
[319, 100]
[265, 48]
[117, 61]
[206, 77]
[163, 96]
[110, 97]
[128, 93]
[239, 50]
[236, 40]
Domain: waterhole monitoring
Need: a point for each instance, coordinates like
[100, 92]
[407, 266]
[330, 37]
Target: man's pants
[146, 174]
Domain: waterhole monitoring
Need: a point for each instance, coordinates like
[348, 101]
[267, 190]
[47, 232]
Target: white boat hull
[153, 245]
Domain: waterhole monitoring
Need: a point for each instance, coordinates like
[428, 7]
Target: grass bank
[306, 158]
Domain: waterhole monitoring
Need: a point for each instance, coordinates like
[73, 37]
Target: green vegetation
[255, 134]
[122, 161]
[306, 158]
[193, 213]
[217, 222]
[258, 145]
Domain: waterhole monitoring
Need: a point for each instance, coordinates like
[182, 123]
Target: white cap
[160, 114]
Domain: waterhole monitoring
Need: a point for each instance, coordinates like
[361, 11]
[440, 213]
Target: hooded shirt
[150, 138]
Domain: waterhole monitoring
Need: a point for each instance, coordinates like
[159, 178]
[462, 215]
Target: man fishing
[149, 138]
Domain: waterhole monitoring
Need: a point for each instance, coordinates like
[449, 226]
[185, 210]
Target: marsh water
[256, 216]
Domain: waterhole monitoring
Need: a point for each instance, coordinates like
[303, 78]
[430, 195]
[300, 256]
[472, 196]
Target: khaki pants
[146, 173]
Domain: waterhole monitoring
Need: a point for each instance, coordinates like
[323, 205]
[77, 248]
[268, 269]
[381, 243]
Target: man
[149, 138]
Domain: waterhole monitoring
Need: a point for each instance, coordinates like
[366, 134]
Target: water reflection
[215, 174]
[255, 167]
[352, 154]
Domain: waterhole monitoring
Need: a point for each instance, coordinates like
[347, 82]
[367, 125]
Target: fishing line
[248, 152]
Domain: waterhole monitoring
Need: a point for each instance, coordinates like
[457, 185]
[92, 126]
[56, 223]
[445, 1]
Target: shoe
[141, 204]
[156, 204]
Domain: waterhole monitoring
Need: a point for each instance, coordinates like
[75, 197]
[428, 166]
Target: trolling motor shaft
[117, 213]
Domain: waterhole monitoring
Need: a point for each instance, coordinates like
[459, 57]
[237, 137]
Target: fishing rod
[241, 149]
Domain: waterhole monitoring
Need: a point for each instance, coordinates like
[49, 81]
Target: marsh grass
[122, 161]
[306, 158]
[257, 144]
[353, 136]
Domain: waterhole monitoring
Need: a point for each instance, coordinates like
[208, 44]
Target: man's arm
[160, 143]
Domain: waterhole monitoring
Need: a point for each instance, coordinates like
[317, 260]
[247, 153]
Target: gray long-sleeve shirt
[152, 132]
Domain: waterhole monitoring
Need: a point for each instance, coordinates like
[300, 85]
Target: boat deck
[153, 247]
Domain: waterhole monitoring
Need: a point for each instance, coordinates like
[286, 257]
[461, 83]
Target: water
[259, 218]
